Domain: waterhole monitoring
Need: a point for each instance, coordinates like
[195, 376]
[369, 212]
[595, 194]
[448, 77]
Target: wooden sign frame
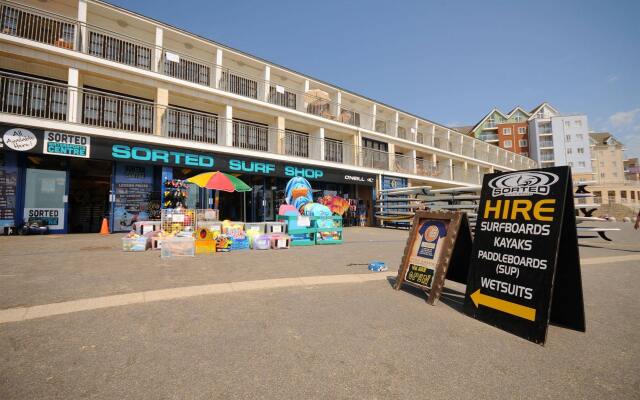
[454, 246]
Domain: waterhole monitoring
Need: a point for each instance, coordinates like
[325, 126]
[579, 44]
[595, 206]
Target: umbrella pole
[244, 206]
[217, 200]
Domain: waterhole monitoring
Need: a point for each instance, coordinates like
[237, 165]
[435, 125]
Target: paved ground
[352, 339]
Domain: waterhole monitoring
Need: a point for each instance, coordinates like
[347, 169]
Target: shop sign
[53, 217]
[438, 248]
[520, 277]
[19, 139]
[67, 144]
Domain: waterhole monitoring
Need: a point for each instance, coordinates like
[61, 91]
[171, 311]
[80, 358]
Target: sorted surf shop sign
[437, 248]
[525, 267]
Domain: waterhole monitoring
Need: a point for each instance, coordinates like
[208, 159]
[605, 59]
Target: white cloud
[612, 78]
[624, 118]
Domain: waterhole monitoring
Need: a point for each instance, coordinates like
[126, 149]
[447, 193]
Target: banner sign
[520, 277]
[66, 144]
[40, 142]
[53, 217]
[438, 247]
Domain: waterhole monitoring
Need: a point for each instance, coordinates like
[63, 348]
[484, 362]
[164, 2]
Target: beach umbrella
[219, 181]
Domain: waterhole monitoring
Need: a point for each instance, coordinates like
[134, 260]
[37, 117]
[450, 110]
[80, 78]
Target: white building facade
[96, 89]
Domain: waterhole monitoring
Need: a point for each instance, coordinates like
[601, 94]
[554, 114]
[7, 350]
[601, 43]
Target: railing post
[73, 81]
[317, 150]
[160, 119]
[338, 105]
[264, 86]
[217, 70]
[276, 140]
[81, 39]
[227, 126]
[157, 54]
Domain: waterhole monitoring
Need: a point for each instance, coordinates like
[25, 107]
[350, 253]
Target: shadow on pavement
[593, 246]
[449, 297]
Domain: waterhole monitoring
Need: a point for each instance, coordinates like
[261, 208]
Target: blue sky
[448, 61]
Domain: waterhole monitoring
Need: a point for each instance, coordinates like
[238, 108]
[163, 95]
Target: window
[578, 123]
[570, 164]
[614, 163]
[615, 174]
[601, 174]
[540, 114]
[506, 131]
[580, 136]
[569, 150]
[581, 164]
[602, 163]
[580, 150]
[525, 153]
[522, 130]
[508, 144]
[518, 118]
[568, 138]
[491, 123]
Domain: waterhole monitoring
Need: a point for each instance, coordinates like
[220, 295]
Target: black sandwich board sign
[525, 266]
[438, 247]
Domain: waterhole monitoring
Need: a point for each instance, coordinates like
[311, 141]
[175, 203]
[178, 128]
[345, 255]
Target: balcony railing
[33, 97]
[38, 25]
[117, 112]
[191, 125]
[334, 150]
[57, 30]
[296, 144]
[250, 136]
[371, 158]
[546, 143]
[488, 137]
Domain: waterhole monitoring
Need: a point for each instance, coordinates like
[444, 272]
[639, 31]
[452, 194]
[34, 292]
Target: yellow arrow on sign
[503, 305]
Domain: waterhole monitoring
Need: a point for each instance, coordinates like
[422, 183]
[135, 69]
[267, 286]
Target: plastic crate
[259, 227]
[275, 227]
[239, 244]
[322, 232]
[178, 247]
[300, 235]
[261, 242]
[280, 241]
[135, 244]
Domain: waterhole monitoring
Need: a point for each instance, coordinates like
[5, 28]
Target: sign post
[438, 248]
[525, 266]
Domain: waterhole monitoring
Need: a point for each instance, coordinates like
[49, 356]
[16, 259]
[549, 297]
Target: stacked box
[178, 246]
[135, 244]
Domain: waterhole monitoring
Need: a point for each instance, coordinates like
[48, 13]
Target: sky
[447, 61]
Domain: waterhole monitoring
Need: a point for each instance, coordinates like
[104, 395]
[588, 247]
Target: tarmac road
[353, 339]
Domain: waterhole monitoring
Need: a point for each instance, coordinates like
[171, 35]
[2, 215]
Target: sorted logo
[527, 183]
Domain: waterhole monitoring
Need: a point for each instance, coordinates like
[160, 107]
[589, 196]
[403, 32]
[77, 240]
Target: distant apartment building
[543, 134]
[632, 169]
[612, 183]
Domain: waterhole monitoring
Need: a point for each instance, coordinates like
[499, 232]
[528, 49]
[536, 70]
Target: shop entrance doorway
[89, 186]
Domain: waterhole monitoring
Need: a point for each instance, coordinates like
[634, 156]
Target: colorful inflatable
[298, 194]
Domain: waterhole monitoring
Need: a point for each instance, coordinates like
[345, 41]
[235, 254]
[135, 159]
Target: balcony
[116, 112]
[252, 136]
[546, 144]
[371, 158]
[488, 137]
[56, 30]
[33, 97]
[191, 125]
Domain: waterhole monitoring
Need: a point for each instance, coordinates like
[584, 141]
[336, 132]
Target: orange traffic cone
[104, 230]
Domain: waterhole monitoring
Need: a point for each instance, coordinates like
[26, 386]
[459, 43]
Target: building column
[216, 72]
[392, 156]
[338, 105]
[276, 136]
[74, 99]
[450, 169]
[81, 39]
[226, 132]
[479, 178]
[316, 148]
[413, 168]
[414, 130]
[395, 122]
[449, 144]
[302, 104]
[161, 104]
[356, 148]
[374, 112]
[157, 55]
[433, 136]
[264, 86]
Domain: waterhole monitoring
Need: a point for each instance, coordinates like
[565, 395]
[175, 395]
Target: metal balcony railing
[296, 144]
[191, 125]
[57, 30]
[403, 164]
[33, 97]
[117, 112]
[546, 143]
[37, 25]
[250, 136]
[371, 158]
[334, 150]
[121, 49]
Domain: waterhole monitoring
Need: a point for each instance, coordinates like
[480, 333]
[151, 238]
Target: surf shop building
[72, 180]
